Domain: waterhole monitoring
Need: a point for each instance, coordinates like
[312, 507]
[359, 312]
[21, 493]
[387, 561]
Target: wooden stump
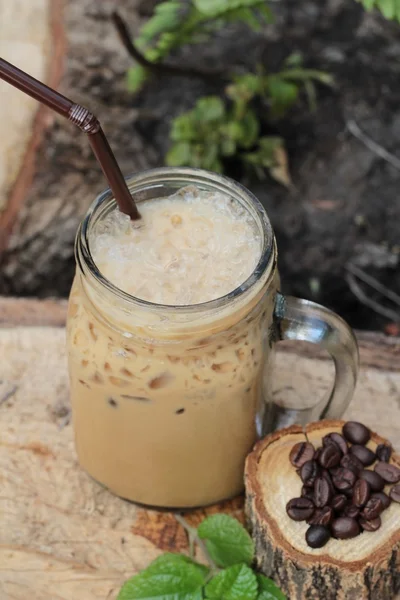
[364, 567]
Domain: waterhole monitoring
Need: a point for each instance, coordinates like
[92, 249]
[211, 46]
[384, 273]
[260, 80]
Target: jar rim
[153, 178]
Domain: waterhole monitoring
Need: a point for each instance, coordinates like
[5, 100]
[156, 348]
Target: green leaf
[227, 541]
[218, 7]
[235, 583]
[136, 77]
[250, 129]
[228, 146]
[271, 155]
[245, 87]
[166, 18]
[282, 94]
[171, 558]
[294, 60]
[368, 4]
[169, 577]
[210, 156]
[184, 128]
[268, 590]
[300, 74]
[389, 8]
[244, 132]
[178, 155]
[209, 108]
[249, 17]
[264, 155]
[233, 130]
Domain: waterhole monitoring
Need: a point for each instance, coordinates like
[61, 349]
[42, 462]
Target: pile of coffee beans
[340, 497]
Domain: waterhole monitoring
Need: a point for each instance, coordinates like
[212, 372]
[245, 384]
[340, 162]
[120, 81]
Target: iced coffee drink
[171, 328]
[166, 368]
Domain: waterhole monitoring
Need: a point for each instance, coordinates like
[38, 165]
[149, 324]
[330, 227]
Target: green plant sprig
[219, 128]
[176, 23]
[389, 8]
[229, 575]
[223, 127]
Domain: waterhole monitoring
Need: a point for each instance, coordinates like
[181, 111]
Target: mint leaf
[169, 577]
[235, 583]
[268, 590]
[170, 558]
[227, 541]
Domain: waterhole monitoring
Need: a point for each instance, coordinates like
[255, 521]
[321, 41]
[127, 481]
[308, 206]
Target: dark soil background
[344, 207]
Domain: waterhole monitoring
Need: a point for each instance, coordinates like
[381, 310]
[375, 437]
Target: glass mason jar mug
[167, 401]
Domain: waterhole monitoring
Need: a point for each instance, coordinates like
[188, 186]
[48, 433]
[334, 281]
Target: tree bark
[366, 567]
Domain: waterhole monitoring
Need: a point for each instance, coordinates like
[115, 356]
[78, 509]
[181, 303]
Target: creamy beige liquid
[166, 418]
[189, 248]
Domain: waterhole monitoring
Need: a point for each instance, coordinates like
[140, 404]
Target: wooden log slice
[365, 567]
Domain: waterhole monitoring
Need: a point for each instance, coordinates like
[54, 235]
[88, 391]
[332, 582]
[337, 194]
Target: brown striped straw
[86, 121]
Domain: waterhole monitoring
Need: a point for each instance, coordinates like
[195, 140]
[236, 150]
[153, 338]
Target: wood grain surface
[63, 536]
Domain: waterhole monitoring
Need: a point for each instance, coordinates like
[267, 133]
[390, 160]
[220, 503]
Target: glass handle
[307, 321]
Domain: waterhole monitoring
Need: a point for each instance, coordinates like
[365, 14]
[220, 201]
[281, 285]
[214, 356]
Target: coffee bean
[322, 492]
[330, 456]
[326, 475]
[343, 479]
[364, 454]
[395, 493]
[389, 473]
[309, 472]
[351, 511]
[321, 516]
[350, 461]
[384, 498]
[301, 453]
[356, 433]
[307, 492]
[361, 492]
[372, 525]
[384, 452]
[348, 493]
[337, 439]
[317, 536]
[314, 519]
[372, 509]
[345, 528]
[317, 454]
[326, 516]
[300, 509]
[375, 481]
[338, 502]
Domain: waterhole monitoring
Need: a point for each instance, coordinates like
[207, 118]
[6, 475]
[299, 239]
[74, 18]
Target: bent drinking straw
[86, 121]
